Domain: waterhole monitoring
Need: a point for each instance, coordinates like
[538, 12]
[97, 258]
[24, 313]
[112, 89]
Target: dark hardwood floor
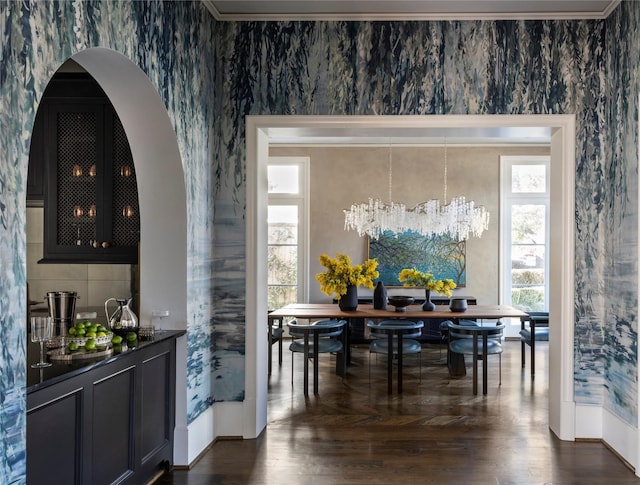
[436, 432]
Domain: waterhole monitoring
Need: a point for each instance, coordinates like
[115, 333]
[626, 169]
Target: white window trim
[507, 199]
[302, 200]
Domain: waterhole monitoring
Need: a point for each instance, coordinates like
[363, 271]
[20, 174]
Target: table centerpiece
[411, 277]
[342, 279]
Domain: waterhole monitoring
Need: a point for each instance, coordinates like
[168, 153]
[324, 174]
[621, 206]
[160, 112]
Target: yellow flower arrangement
[340, 274]
[414, 277]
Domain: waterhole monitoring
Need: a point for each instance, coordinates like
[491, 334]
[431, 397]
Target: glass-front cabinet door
[91, 204]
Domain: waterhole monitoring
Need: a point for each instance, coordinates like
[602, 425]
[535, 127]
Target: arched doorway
[159, 170]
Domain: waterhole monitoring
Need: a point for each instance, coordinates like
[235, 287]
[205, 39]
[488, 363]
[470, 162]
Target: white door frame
[561, 258]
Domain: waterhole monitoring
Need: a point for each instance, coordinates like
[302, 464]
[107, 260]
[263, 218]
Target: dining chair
[479, 341]
[320, 337]
[395, 331]
[536, 330]
[275, 334]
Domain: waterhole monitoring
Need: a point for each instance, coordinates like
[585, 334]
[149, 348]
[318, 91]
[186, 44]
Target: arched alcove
[163, 219]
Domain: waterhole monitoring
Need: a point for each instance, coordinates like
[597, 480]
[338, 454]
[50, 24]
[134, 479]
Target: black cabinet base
[112, 423]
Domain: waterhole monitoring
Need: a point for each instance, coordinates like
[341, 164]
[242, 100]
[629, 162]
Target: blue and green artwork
[441, 256]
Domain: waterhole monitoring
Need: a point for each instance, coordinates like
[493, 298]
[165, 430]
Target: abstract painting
[441, 256]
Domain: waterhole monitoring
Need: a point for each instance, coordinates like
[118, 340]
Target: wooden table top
[331, 310]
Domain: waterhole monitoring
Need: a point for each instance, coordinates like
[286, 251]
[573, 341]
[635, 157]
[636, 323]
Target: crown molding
[311, 16]
[212, 9]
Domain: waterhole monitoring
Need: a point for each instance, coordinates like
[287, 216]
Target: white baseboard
[588, 422]
[621, 437]
[222, 419]
[595, 422]
[201, 434]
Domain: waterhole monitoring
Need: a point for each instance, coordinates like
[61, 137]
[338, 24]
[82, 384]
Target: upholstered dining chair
[320, 337]
[480, 341]
[275, 335]
[534, 327]
[392, 332]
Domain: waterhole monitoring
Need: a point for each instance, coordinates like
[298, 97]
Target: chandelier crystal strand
[458, 219]
[390, 175]
[444, 200]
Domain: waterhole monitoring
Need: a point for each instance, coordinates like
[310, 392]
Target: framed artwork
[441, 256]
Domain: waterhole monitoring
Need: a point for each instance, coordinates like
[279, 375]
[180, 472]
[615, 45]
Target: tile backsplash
[94, 283]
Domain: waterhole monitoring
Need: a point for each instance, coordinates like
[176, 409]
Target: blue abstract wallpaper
[471, 67]
[211, 75]
[619, 333]
[170, 42]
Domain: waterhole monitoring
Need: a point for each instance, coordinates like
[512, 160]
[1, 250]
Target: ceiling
[409, 9]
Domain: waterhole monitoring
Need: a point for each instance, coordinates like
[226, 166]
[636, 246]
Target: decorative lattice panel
[76, 178]
[126, 212]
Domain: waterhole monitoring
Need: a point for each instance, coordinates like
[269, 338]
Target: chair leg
[500, 360]
[533, 357]
[270, 344]
[522, 352]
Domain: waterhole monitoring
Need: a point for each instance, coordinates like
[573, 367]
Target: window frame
[301, 200]
[509, 199]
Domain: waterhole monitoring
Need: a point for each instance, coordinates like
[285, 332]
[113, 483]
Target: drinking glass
[41, 331]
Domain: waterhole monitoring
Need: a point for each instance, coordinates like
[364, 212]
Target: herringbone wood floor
[436, 432]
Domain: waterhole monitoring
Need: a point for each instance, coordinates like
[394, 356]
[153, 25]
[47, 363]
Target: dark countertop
[40, 378]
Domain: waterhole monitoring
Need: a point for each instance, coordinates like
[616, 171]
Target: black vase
[349, 301]
[428, 304]
[380, 297]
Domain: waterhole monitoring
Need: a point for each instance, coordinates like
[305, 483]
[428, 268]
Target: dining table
[312, 311]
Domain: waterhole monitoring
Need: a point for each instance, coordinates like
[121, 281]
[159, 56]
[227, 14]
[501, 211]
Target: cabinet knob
[105, 244]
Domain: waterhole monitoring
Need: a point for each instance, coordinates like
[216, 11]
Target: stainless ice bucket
[62, 305]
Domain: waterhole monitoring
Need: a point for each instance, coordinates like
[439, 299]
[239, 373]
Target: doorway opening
[154, 148]
[260, 129]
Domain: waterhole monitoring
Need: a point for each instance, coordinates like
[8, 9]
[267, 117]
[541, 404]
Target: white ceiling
[409, 9]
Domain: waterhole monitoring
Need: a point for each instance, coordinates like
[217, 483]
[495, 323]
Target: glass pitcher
[122, 320]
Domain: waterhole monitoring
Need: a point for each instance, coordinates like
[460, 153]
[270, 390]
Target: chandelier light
[458, 219]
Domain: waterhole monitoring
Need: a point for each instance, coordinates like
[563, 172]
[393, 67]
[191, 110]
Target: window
[525, 232]
[287, 230]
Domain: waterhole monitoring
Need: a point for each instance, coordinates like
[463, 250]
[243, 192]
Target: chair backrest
[412, 330]
[466, 331]
[541, 318]
[325, 328]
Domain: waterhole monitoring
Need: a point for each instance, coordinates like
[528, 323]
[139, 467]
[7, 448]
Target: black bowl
[400, 302]
[458, 305]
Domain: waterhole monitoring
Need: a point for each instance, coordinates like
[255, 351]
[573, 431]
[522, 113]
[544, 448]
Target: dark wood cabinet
[111, 424]
[91, 211]
[37, 169]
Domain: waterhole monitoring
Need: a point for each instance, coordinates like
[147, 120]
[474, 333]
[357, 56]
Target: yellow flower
[414, 277]
[340, 274]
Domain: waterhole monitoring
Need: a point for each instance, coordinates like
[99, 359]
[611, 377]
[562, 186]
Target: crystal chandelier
[458, 219]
